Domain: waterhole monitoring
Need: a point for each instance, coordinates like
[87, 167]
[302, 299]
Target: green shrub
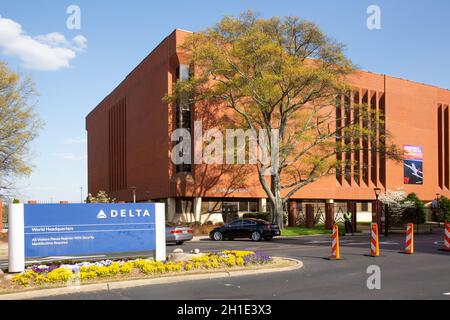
[444, 208]
[416, 214]
[258, 215]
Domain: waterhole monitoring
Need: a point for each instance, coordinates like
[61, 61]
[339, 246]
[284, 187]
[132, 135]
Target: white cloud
[69, 156]
[80, 42]
[75, 141]
[44, 52]
[53, 39]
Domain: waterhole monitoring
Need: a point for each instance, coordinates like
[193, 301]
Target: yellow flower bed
[88, 272]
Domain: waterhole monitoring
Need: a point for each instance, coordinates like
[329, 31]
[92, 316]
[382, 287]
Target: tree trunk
[292, 213]
[277, 213]
[277, 207]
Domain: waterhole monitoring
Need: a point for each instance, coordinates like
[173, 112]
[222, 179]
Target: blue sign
[85, 229]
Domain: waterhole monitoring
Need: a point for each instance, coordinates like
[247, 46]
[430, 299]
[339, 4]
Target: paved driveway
[424, 275]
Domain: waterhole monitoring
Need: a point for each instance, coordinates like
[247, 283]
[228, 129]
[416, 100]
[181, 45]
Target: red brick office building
[129, 146]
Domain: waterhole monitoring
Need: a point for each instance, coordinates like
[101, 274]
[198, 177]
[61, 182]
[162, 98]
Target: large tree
[281, 75]
[19, 125]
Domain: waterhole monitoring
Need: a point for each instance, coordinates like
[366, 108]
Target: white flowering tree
[102, 197]
[396, 202]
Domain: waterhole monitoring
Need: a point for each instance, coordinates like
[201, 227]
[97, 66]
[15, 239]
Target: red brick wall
[411, 118]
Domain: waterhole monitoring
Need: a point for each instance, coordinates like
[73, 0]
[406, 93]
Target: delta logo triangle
[102, 215]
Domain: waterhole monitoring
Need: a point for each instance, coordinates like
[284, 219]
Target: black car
[254, 229]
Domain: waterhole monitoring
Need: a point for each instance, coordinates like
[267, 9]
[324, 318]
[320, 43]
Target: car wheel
[179, 243]
[268, 238]
[217, 236]
[256, 236]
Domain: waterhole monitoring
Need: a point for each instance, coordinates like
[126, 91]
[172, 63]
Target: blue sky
[413, 43]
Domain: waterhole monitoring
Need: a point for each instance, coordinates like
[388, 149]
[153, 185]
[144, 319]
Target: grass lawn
[317, 230]
[303, 231]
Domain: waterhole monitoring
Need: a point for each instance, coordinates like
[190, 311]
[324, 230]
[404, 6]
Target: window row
[363, 161]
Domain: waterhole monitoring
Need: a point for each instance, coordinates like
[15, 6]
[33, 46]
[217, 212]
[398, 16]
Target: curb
[42, 293]
[199, 238]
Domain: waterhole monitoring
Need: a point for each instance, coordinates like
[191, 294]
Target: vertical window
[365, 139]
[117, 130]
[357, 139]
[374, 139]
[446, 148]
[183, 113]
[348, 139]
[383, 139]
[339, 140]
[440, 147]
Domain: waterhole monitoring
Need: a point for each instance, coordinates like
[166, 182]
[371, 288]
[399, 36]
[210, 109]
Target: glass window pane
[205, 207]
[253, 206]
[215, 206]
[236, 223]
[243, 206]
[184, 72]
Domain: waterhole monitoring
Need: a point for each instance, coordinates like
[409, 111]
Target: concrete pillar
[329, 214]
[16, 238]
[160, 226]
[292, 213]
[171, 209]
[197, 209]
[309, 216]
[262, 205]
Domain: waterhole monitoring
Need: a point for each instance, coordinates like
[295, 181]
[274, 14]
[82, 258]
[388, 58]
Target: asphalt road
[424, 275]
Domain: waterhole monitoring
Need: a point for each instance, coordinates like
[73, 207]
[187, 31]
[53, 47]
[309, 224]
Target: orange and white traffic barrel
[447, 237]
[374, 241]
[335, 249]
[409, 245]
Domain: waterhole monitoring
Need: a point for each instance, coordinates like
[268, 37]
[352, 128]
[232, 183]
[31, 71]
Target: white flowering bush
[396, 201]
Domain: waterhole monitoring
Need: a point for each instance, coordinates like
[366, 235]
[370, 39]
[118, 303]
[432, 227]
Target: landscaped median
[139, 272]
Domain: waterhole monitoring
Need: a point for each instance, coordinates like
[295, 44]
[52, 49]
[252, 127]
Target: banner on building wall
[413, 165]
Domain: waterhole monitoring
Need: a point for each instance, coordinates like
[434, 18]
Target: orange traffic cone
[409, 244]
[335, 248]
[446, 237]
[374, 242]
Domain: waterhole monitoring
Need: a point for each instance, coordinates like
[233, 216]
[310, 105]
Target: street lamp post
[147, 196]
[438, 196]
[377, 206]
[81, 194]
[134, 194]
